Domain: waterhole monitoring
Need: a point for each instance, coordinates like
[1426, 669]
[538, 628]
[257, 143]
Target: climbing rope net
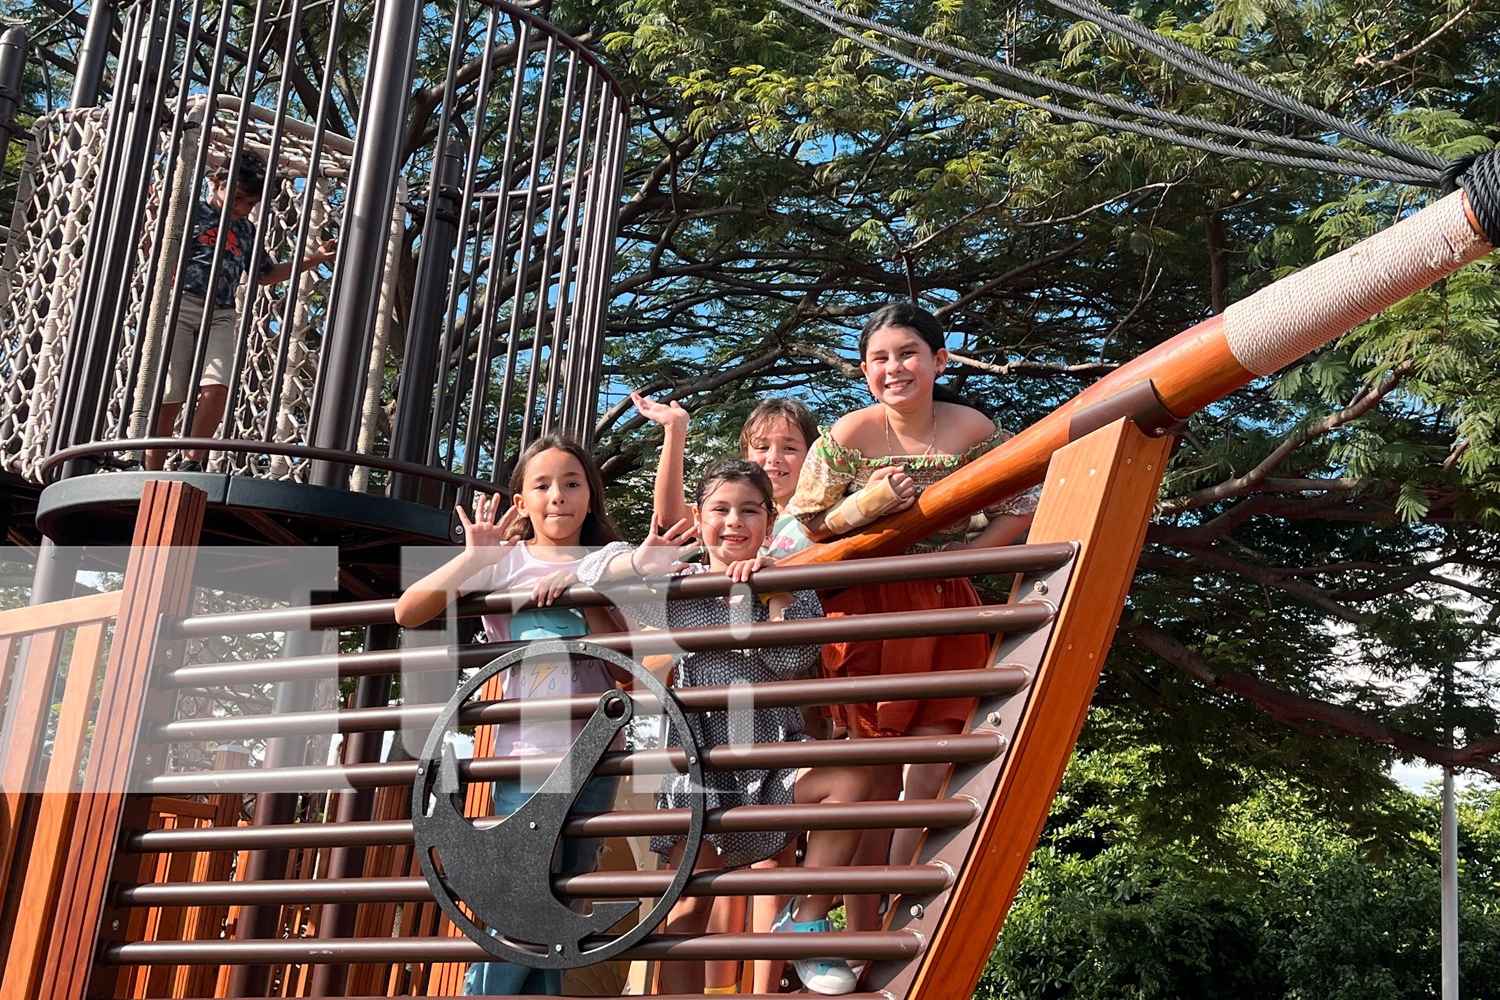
[41, 285]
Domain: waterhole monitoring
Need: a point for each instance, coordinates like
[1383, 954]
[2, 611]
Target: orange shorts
[903, 656]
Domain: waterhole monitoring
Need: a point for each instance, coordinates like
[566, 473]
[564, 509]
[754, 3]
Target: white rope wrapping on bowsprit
[1282, 322]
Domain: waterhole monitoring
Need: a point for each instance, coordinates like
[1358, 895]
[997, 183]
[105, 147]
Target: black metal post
[118, 230]
[362, 244]
[89, 79]
[56, 572]
[424, 333]
[12, 68]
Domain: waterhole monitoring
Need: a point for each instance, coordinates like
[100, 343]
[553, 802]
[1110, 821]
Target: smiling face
[780, 449]
[554, 497]
[732, 522]
[900, 368]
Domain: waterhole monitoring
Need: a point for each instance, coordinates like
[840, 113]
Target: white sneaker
[829, 976]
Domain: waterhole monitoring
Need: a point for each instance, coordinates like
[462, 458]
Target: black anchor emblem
[502, 874]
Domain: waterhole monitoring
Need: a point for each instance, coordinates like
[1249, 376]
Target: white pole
[1450, 890]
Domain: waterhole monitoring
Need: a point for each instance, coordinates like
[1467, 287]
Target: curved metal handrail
[564, 39]
[247, 447]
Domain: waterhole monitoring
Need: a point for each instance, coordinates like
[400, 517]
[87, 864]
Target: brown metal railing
[922, 566]
[308, 897]
[990, 684]
[934, 814]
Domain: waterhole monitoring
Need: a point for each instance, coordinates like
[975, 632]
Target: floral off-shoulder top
[833, 471]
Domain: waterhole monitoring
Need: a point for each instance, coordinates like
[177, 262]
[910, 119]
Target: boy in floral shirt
[238, 251]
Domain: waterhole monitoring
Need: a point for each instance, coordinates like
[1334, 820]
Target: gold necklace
[889, 447]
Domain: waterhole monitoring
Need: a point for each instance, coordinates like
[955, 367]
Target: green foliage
[1299, 909]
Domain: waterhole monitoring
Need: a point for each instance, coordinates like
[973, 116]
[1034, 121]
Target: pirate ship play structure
[143, 852]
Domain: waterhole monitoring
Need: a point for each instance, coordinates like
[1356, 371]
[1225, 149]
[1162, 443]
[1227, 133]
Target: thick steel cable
[1396, 172]
[813, 8]
[1212, 71]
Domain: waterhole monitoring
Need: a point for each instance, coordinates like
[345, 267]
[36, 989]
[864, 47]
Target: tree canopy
[1317, 593]
[1324, 539]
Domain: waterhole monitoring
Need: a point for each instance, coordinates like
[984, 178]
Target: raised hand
[662, 554]
[489, 530]
[665, 414]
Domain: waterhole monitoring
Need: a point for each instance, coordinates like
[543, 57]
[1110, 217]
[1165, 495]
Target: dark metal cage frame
[502, 313]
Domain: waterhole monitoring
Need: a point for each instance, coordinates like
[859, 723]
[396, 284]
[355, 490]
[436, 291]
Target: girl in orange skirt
[874, 462]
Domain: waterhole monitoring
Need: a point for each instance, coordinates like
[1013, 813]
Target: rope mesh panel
[43, 266]
[41, 282]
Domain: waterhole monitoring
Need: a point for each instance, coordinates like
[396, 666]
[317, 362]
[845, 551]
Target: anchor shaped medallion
[503, 874]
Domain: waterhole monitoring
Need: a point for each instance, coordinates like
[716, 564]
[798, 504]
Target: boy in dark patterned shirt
[239, 248]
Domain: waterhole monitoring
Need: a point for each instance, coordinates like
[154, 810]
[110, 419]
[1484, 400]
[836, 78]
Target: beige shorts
[220, 347]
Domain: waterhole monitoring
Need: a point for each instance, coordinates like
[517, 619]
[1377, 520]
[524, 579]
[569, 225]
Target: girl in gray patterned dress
[735, 507]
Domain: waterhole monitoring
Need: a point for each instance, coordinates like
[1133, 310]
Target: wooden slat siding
[31, 701]
[168, 923]
[10, 672]
[157, 582]
[139, 922]
[231, 922]
[419, 920]
[60, 614]
[30, 697]
[59, 802]
[1100, 491]
[205, 923]
[6, 675]
[379, 919]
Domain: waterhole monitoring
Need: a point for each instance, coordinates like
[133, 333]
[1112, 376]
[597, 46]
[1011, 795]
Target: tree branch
[1396, 59]
[1085, 370]
[1266, 576]
[1310, 714]
[1018, 271]
[1363, 403]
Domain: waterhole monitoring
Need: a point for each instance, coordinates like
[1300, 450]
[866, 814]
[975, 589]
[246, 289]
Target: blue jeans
[576, 856]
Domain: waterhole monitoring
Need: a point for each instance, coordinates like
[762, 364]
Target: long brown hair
[598, 529]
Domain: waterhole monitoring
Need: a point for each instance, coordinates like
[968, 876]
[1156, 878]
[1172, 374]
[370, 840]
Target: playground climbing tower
[462, 316]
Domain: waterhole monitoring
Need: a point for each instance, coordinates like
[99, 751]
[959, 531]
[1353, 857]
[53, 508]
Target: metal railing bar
[970, 748]
[884, 569]
[1001, 680]
[924, 879]
[253, 447]
[982, 620]
[858, 945]
[930, 814]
